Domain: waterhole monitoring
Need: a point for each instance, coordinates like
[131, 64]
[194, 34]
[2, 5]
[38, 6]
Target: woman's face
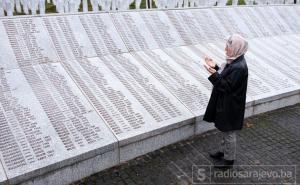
[228, 51]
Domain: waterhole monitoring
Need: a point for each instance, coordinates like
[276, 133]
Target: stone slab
[89, 35]
[162, 29]
[24, 42]
[35, 40]
[152, 143]
[131, 101]
[133, 31]
[210, 22]
[193, 29]
[3, 179]
[231, 22]
[84, 35]
[194, 26]
[183, 85]
[261, 24]
[218, 23]
[253, 23]
[273, 77]
[270, 88]
[7, 57]
[283, 43]
[190, 63]
[274, 23]
[290, 43]
[47, 123]
[68, 174]
[281, 21]
[193, 56]
[271, 82]
[289, 17]
[277, 57]
[276, 104]
[68, 36]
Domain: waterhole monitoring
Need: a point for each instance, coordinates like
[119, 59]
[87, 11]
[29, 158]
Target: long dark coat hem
[226, 106]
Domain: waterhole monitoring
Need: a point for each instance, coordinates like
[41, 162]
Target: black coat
[226, 107]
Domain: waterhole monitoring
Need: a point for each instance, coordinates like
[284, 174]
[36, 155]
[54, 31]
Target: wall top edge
[145, 10]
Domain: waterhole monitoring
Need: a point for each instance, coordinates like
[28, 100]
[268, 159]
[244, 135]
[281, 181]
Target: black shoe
[217, 155]
[224, 164]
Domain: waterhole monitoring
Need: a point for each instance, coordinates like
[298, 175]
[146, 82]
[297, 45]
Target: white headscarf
[238, 45]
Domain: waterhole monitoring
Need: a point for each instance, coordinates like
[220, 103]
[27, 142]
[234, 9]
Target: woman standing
[226, 107]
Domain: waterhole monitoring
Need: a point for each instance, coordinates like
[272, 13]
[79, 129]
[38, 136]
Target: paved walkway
[269, 139]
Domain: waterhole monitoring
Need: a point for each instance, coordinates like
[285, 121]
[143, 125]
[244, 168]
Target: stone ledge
[278, 95]
[155, 132]
[150, 144]
[276, 104]
[77, 171]
[3, 178]
[41, 172]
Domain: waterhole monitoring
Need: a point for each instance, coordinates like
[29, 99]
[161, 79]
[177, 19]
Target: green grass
[49, 8]
[229, 2]
[142, 5]
[240, 2]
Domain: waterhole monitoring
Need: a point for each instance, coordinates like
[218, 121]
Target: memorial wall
[83, 92]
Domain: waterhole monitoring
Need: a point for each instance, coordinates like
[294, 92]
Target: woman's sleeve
[216, 67]
[229, 82]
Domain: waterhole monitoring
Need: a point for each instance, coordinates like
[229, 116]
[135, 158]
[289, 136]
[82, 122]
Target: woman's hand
[210, 69]
[209, 61]
[209, 65]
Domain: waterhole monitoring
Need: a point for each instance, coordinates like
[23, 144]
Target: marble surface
[265, 79]
[191, 59]
[109, 87]
[46, 122]
[25, 42]
[183, 85]
[134, 31]
[198, 26]
[130, 100]
[36, 40]
[3, 178]
[283, 54]
[86, 35]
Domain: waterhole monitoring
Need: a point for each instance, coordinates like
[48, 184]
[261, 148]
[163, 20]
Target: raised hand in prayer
[209, 61]
[209, 69]
[209, 65]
